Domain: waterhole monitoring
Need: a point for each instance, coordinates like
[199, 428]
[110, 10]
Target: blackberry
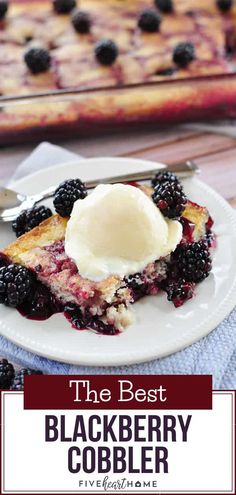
[15, 284]
[29, 219]
[149, 21]
[224, 5]
[179, 292]
[63, 6]
[106, 52]
[18, 383]
[192, 261]
[81, 21]
[7, 374]
[184, 54]
[170, 199]
[3, 8]
[37, 60]
[66, 194]
[165, 6]
[165, 176]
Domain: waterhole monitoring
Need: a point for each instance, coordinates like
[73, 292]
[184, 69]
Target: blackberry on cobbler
[37, 60]
[192, 261]
[7, 374]
[81, 21]
[165, 176]
[66, 194]
[170, 199]
[224, 5]
[18, 382]
[106, 52]
[179, 291]
[149, 21]
[15, 285]
[184, 54]
[63, 6]
[29, 219]
[165, 6]
[3, 8]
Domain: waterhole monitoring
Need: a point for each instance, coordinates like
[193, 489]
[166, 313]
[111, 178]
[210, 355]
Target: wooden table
[215, 154]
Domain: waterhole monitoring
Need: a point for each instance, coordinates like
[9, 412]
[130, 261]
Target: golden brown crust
[48, 232]
[51, 230]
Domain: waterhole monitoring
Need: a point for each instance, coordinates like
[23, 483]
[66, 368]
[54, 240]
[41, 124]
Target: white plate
[160, 329]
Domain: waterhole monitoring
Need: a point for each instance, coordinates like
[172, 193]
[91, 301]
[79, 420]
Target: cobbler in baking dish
[94, 275]
[61, 44]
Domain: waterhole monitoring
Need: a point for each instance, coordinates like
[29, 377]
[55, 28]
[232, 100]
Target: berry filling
[86, 321]
[179, 291]
[41, 305]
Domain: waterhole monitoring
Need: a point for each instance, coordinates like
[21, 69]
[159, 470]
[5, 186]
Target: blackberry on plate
[81, 21]
[165, 176]
[170, 199]
[3, 8]
[15, 284]
[18, 382]
[64, 6]
[184, 54]
[37, 60]
[7, 374]
[224, 5]
[106, 52]
[149, 21]
[179, 291]
[66, 194]
[165, 6]
[192, 261]
[28, 219]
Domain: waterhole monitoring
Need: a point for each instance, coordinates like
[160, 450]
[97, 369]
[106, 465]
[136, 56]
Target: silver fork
[13, 203]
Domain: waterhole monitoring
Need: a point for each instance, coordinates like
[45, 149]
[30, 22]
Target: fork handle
[182, 169]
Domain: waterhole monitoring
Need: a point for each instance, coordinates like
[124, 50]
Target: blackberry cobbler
[53, 45]
[92, 262]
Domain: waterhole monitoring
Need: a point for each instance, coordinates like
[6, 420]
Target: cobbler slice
[104, 306]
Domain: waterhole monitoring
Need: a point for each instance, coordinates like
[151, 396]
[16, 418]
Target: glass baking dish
[70, 113]
[73, 113]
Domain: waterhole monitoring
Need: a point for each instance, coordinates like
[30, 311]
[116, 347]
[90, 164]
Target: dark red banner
[118, 392]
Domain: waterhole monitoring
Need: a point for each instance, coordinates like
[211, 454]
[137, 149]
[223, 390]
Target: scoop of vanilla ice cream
[118, 230]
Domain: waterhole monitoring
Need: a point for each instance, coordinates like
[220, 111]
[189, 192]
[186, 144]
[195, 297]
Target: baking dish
[65, 112]
[88, 112]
